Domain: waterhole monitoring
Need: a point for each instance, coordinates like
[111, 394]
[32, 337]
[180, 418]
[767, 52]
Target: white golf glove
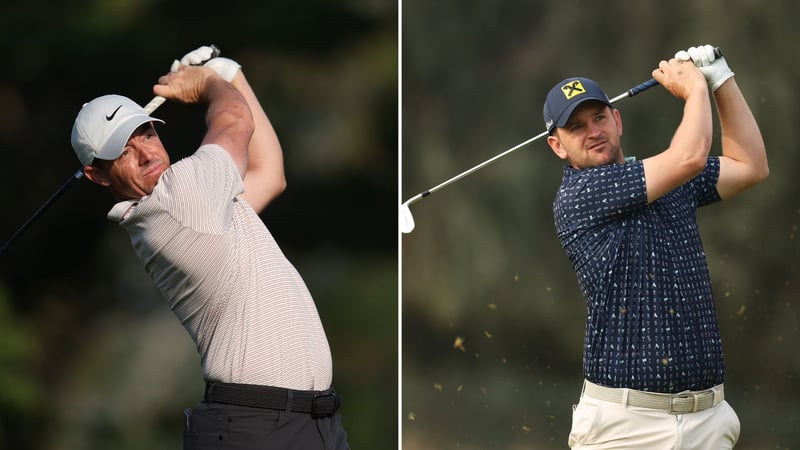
[224, 67]
[193, 58]
[715, 70]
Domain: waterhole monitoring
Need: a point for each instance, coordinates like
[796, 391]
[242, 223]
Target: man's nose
[594, 129]
[146, 153]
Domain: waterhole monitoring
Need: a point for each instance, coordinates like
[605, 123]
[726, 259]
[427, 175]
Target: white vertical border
[397, 222]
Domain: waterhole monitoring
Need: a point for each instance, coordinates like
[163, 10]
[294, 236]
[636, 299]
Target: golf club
[407, 220]
[149, 108]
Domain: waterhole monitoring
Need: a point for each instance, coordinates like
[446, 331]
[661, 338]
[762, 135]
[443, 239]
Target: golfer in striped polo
[653, 361]
[195, 227]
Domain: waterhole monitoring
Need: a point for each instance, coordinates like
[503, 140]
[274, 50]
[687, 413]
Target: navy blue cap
[566, 96]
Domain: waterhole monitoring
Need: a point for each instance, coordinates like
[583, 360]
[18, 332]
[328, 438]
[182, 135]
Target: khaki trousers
[598, 424]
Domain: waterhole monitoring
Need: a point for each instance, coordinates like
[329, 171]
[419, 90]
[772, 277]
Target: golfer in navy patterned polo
[653, 359]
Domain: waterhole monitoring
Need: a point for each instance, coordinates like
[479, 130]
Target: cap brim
[567, 113]
[119, 139]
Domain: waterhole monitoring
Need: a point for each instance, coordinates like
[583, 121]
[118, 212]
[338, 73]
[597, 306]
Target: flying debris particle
[459, 388]
[437, 386]
[487, 334]
[516, 277]
[503, 360]
[491, 306]
[740, 311]
[411, 416]
[459, 344]
[665, 361]
[526, 428]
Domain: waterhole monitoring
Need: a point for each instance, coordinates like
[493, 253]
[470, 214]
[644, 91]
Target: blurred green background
[90, 356]
[492, 318]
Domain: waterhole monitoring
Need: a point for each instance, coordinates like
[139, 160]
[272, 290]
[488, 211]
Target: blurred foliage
[90, 356]
[492, 315]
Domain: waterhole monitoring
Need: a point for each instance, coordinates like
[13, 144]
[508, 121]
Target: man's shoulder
[208, 157]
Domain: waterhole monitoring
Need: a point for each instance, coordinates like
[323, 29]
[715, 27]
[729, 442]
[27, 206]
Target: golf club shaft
[75, 177]
[406, 222]
[149, 108]
[629, 93]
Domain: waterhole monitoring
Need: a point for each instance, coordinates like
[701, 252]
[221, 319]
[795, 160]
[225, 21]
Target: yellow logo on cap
[572, 89]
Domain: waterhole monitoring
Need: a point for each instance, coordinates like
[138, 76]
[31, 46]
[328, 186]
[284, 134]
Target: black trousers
[229, 427]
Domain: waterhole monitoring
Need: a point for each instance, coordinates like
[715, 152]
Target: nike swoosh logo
[111, 116]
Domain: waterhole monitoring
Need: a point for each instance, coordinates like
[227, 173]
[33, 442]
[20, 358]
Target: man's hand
[679, 77]
[195, 57]
[188, 84]
[715, 70]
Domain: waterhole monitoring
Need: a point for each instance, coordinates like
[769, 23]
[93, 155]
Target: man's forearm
[264, 179]
[741, 137]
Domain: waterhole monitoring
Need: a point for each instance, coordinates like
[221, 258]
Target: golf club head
[406, 219]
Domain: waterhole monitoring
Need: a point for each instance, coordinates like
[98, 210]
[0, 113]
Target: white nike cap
[104, 125]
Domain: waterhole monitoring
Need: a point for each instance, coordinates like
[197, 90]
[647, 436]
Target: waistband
[316, 403]
[680, 403]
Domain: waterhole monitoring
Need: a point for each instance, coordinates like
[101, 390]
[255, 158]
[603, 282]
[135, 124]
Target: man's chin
[151, 177]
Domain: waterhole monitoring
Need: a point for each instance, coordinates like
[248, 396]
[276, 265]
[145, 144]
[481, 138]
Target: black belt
[317, 403]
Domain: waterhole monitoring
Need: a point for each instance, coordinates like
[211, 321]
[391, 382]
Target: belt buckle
[681, 396]
[315, 406]
[695, 396]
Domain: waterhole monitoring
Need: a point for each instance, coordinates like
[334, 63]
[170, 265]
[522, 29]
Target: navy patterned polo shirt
[651, 323]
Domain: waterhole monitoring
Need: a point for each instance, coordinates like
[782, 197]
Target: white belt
[680, 403]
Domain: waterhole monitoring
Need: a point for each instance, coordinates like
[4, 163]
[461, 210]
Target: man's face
[591, 136]
[137, 170]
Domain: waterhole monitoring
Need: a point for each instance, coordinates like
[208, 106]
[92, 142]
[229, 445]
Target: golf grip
[159, 100]
[641, 87]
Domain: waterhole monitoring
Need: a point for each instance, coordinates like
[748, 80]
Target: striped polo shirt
[651, 322]
[225, 278]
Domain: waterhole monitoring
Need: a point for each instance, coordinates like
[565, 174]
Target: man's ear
[618, 118]
[555, 145]
[96, 175]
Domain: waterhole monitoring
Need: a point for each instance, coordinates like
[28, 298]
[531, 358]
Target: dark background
[90, 356]
[492, 316]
